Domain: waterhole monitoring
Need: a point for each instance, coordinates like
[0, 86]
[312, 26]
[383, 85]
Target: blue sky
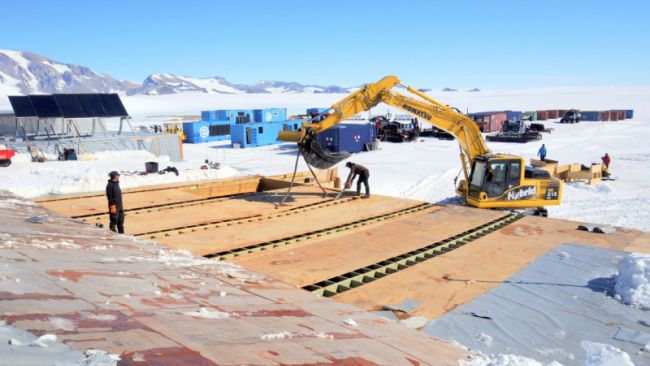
[426, 43]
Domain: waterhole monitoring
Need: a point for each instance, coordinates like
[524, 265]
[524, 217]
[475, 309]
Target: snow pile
[31, 180]
[44, 340]
[96, 357]
[480, 359]
[280, 335]
[207, 314]
[173, 258]
[599, 354]
[288, 335]
[486, 339]
[633, 280]
[20, 347]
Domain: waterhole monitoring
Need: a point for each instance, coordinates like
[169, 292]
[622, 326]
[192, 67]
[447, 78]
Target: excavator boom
[491, 180]
[444, 117]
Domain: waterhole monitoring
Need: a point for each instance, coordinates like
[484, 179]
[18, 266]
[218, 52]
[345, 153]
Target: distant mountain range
[28, 73]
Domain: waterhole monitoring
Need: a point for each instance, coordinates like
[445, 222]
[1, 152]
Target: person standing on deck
[115, 207]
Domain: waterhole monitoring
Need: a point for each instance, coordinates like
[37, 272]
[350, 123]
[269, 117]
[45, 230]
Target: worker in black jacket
[115, 207]
[363, 173]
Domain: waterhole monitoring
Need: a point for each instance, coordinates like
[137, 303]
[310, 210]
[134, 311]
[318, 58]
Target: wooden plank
[87, 204]
[314, 261]
[455, 278]
[230, 237]
[136, 199]
[226, 209]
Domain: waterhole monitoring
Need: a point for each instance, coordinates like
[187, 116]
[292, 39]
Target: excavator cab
[492, 177]
[500, 181]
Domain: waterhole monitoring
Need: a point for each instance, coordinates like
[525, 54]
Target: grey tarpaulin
[548, 308]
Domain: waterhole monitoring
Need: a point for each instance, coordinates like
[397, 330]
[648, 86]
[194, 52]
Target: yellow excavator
[497, 181]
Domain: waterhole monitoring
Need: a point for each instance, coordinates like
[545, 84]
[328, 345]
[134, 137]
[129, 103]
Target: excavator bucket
[320, 158]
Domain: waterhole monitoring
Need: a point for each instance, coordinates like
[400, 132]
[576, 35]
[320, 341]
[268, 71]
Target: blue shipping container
[270, 115]
[215, 131]
[216, 115]
[294, 124]
[255, 134]
[589, 116]
[316, 110]
[236, 116]
[347, 137]
[629, 113]
[513, 115]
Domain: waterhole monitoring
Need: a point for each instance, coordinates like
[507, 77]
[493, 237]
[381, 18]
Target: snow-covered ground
[633, 280]
[420, 170]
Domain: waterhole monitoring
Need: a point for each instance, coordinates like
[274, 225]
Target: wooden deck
[313, 241]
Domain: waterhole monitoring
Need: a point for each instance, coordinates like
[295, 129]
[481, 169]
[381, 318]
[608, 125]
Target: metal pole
[295, 170]
[316, 178]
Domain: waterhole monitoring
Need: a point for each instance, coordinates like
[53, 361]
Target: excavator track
[364, 275]
[255, 248]
[241, 220]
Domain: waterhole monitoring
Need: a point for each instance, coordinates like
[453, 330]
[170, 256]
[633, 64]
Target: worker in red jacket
[606, 160]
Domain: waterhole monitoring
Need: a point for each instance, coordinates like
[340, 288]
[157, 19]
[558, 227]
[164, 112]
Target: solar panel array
[68, 106]
[22, 106]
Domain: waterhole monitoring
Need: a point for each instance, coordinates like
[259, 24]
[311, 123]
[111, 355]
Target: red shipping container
[613, 116]
[542, 115]
[560, 112]
[553, 113]
[604, 116]
[620, 114]
[490, 121]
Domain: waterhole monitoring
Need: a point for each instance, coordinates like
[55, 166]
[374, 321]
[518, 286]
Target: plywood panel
[230, 237]
[226, 209]
[447, 281]
[312, 262]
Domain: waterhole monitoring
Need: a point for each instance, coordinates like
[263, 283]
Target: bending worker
[115, 207]
[363, 173]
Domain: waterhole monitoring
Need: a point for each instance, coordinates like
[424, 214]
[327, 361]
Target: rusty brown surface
[95, 289]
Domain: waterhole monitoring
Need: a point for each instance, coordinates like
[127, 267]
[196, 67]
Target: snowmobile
[607, 174]
[515, 131]
[571, 116]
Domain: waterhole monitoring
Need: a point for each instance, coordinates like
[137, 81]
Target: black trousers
[117, 221]
[363, 178]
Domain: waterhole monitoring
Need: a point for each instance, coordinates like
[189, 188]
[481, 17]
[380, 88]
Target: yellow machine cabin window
[514, 174]
[495, 184]
[478, 174]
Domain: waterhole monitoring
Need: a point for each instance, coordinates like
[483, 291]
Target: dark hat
[348, 164]
[113, 174]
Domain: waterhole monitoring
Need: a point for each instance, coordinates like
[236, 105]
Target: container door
[248, 136]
